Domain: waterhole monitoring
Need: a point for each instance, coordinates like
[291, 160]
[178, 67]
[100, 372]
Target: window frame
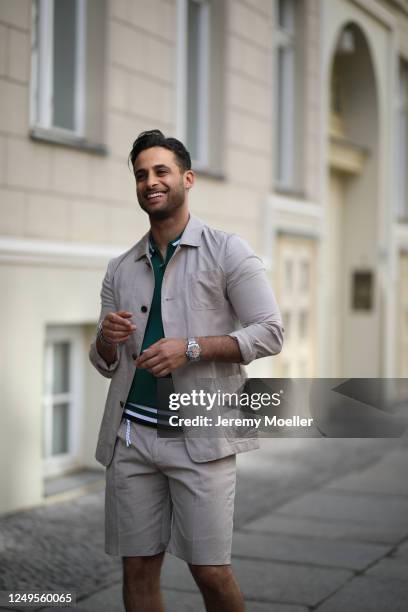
[41, 109]
[58, 464]
[202, 162]
[401, 145]
[284, 97]
[297, 304]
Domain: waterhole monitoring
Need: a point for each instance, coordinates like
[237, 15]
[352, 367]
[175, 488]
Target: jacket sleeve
[253, 301]
[108, 304]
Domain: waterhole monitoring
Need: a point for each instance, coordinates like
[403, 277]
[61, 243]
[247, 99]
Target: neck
[164, 230]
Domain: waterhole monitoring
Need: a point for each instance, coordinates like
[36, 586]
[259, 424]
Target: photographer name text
[255, 422]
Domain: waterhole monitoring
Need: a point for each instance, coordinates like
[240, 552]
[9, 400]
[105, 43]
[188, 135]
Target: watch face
[194, 350]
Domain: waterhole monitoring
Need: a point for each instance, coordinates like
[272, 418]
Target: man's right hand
[117, 326]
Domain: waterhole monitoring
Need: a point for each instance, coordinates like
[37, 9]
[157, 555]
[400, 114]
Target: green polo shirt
[144, 386]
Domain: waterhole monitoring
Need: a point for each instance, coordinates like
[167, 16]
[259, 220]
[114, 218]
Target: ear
[188, 179]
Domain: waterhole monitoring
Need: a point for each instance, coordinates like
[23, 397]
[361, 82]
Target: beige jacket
[213, 285]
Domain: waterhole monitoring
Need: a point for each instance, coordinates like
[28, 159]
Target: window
[61, 398]
[304, 274]
[67, 69]
[197, 79]
[59, 48]
[402, 142]
[296, 288]
[200, 80]
[288, 90]
[303, 324]
[288, 275]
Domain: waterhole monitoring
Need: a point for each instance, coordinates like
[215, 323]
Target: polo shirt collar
[190, 237]
[141, 249]
[153, 248]
[192, 232]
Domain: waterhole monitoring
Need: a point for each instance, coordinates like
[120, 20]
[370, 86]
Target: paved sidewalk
[320, 524]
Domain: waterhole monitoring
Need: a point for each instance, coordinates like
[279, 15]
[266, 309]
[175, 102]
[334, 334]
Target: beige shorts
[158, 499]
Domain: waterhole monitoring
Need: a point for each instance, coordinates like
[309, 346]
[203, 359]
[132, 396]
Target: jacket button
[144, 309]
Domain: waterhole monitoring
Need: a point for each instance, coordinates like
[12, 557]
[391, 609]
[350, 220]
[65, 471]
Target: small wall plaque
[363, 290]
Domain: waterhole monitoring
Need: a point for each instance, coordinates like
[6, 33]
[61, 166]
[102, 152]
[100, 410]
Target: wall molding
[300, 211]
[295, 206]
[378, 11]
[52, 253]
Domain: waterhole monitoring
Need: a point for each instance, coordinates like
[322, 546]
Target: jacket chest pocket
[206, 289]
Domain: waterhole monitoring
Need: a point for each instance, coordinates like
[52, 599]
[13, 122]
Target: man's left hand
[163, 356]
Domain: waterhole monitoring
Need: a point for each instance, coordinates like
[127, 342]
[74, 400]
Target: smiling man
[187, 302]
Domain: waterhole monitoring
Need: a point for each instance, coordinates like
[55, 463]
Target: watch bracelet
[102, 338]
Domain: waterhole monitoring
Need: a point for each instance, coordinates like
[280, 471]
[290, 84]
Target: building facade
[296, 115]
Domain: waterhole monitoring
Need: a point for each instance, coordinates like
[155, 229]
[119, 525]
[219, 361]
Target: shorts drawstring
[128, 442]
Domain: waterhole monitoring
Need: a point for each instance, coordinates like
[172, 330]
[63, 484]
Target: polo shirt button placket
[144, 309]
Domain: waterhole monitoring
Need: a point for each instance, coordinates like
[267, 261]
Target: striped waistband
[146, 415]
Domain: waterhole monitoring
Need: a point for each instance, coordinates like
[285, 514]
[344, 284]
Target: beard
[175, 199]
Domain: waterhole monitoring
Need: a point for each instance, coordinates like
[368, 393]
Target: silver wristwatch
[193, 351]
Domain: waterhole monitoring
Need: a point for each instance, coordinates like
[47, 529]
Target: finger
[157, 369]
[156, 345]
[159, 372]
[150, 363]
[119, 337]
[125, 314]
[116, 338]
[118, 327]
[145, 355]
[116, 318]
[117, 323]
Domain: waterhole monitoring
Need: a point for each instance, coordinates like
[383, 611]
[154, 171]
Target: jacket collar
[191, 237]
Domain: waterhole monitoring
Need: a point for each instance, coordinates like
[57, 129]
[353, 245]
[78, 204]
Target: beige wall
[71, 195]
[33, 297]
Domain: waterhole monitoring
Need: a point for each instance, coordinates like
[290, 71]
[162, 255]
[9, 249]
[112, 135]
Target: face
[160, 184]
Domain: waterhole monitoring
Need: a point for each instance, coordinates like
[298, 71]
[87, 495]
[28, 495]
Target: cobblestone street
[320, 524]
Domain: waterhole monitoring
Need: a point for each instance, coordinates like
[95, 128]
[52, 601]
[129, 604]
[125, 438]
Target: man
[187, 302]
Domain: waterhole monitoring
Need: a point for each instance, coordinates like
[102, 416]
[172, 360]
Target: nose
[151, 181]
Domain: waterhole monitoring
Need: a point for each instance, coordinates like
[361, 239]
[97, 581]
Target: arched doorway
[352, 210]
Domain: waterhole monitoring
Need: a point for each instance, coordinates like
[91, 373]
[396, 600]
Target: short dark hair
[156, 138]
